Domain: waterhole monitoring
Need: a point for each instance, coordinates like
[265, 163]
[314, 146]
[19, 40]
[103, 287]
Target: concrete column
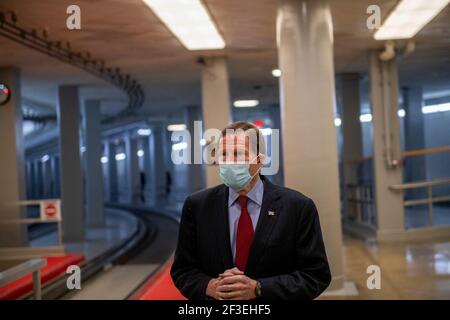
[352, 149]
[386, 144]
[215, 104]
[38, 178]
[47, 177]
[147, 166]
[55, 170]
[94, 173]
[415, 167]
[112, 171]
[305, 51]
[132, 165]
[158, 169]
[29, 178]
[71, 174]
[12, 188]
[195, 174]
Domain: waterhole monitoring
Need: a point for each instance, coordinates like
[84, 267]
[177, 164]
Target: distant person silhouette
[143, 184]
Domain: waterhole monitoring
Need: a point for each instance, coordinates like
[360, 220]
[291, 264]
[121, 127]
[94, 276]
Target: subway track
[121, 272]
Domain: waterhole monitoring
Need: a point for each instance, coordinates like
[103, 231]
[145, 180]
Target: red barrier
[56, 266]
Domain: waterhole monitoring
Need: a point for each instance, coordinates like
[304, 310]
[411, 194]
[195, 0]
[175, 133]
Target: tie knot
[243, 202]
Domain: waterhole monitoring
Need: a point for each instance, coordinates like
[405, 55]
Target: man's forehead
[235, 140]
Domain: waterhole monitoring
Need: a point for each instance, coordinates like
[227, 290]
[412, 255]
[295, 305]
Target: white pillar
[112, 171]
[305, 51]
[132, 165]
[215, 104]
[386, 144]
[94, 172]
[47, 177]
[71, 174]
[352, 151]
[12, 188]
[195, 174]
[37, 178]
[158, 169]
[147, 167]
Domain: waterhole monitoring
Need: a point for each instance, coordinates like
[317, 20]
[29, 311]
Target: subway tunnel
[111, 115]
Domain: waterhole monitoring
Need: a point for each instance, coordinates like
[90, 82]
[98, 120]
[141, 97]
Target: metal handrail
[420, 184]
[430, 200]
[409, 153]
[31, 266]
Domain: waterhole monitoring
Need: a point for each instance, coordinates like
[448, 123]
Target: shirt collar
[255, 194]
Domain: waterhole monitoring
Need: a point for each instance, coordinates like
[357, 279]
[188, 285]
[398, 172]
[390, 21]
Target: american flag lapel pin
[271, 213]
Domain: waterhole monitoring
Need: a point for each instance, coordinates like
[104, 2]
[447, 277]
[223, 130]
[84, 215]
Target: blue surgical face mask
[236, 176]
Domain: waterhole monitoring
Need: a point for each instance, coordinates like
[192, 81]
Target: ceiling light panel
[408, 18]
[190, 22]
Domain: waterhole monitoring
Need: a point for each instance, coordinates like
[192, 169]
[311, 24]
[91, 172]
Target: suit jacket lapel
[265, 225]
[222, 229]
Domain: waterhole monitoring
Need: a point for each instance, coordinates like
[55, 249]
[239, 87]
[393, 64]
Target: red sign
[50, 210]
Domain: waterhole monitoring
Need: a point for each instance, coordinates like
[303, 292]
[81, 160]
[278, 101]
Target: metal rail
[430, 200]
[31, 266]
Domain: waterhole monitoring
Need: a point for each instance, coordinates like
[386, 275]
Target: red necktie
[244, 237]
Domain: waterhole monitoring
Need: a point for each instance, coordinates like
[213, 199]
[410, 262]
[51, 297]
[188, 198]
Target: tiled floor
[408, 271]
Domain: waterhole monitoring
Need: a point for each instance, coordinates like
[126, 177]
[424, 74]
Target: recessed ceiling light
[190, 22]
[408, 18]
[120, 156]
[144, 132]
[337, 122]
[245, 103]
[276, 73]
[176, 127]
[367, 117]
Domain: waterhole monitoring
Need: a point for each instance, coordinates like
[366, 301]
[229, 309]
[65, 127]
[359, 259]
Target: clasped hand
[232, 284]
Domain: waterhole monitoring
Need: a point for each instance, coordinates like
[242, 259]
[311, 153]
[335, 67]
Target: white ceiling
[126, 34]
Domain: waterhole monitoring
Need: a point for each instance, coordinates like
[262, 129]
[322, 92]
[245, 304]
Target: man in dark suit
[248, 238]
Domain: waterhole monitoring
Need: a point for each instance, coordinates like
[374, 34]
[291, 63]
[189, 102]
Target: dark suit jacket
[287, 255]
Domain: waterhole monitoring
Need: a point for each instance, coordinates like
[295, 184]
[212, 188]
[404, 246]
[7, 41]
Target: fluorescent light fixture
[337, 122]
[442, 107]
[408, 18]
[276, 73]
[120, 156]
[367, 117]
[266, 131]
[140, 153]
[104, 159]
[144, 132]
[245, 103]
[190, 22]
[179, 146]
[401, 113]
[83, 149]
[45, 158]
[176, 127]
[27, 127]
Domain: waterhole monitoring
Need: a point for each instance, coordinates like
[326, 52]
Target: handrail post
[37, 290]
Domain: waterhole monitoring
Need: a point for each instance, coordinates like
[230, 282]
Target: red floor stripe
[160, 287]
